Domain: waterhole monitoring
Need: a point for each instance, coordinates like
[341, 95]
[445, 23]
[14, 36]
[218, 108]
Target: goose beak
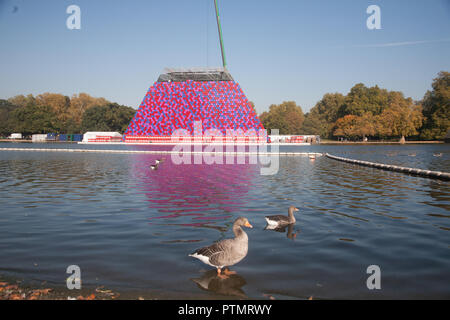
[296, 209]
[248, 225]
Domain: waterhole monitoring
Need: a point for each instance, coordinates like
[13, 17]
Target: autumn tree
[365, 126]
[83, 101]
[52, 112]
[287, 117]
[436, 108]
[401, 118]
[58, 102]
[22, 100]
[60, 105]
[346, 126]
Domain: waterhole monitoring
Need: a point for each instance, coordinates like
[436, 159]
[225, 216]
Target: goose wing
[278, 218]
[210, 251]
[213, 253]
[221, 253]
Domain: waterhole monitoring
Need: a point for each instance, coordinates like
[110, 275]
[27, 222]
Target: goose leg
[221, 275]
[228, 272]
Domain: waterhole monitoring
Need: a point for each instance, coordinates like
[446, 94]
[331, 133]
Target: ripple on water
[132, 228]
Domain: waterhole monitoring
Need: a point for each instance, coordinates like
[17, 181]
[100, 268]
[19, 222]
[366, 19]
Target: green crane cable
[224, 61]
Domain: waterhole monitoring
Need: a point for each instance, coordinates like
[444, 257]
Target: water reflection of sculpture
[195, 195]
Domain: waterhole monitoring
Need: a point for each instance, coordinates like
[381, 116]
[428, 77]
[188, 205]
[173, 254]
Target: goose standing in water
[226, 252]
[280, 220]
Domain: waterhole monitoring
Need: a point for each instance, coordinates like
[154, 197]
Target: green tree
[436, 108]
[110, 117]
[362, 99]
[321, 118]
[34, 119]
[6, 120]
[314, 124]
[287, 117]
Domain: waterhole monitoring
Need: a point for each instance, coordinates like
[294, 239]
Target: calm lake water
[131, 229]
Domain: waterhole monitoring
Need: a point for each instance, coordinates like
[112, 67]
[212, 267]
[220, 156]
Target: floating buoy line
[306, 154]
[418, 172]
[312, 155]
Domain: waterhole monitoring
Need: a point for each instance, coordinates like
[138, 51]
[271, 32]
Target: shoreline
[379, 142]
[326, 142]
[30, 141]
[12, 288]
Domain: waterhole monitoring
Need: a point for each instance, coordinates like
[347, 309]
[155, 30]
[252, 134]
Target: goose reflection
[230, 286]
[290, 230]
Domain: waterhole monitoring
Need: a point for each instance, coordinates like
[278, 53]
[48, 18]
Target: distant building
[312, 139]
[39, 137]
[100, 137]
[15, 136]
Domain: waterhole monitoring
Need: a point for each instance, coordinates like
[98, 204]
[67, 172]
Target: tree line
[368, 112]
[364, 112]
[53, 112]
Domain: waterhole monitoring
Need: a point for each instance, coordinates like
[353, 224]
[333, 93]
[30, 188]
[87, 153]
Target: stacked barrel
[218, 105]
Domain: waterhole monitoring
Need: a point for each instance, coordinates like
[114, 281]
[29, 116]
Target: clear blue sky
[277, 50]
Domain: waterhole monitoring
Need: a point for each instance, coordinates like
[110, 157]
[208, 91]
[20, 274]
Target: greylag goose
[154, 166]
[226, 252]
[280, 220]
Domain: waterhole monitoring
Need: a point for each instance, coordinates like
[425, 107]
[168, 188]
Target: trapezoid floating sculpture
[182, 97]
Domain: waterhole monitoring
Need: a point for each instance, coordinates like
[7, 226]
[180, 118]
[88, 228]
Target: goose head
[292, 209]
[242, 222]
